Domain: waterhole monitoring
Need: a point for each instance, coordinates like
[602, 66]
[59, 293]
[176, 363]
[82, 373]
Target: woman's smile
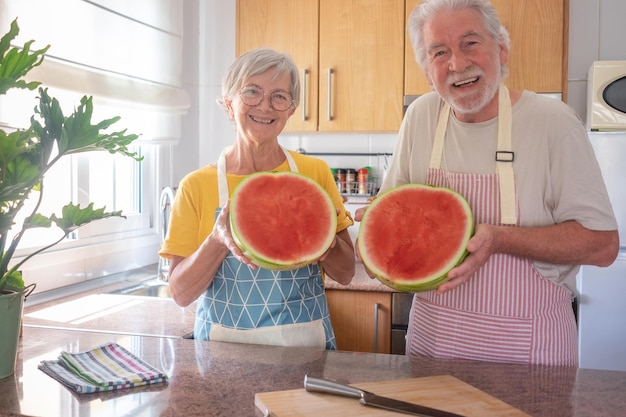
[262, 120]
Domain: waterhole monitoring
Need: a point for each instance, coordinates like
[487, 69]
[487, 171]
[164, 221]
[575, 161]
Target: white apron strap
[440, 134]
[222, 182]
[504, 158]
[292, 164]
[504, 155]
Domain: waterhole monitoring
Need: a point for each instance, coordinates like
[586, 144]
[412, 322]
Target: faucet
[166, 201]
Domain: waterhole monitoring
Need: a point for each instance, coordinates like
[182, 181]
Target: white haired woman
[236, 301]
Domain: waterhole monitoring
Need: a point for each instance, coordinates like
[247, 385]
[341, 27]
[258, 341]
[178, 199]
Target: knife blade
[325, 386]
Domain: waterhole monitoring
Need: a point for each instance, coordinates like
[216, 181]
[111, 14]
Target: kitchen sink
[153, 288]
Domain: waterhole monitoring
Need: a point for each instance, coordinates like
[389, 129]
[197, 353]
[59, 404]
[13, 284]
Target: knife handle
[312, 384]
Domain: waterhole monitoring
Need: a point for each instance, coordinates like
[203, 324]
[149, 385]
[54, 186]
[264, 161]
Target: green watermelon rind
[427, 283]
[265, 262]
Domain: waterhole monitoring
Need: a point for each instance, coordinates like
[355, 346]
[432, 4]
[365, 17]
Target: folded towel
[104, 368]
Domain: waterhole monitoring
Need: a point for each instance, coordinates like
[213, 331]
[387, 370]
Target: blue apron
[262, 306]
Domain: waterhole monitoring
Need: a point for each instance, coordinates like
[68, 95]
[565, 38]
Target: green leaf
[20, 166]
[14, 281]
[76, 133]
[16, 63]
[38, 220]
[73, 216]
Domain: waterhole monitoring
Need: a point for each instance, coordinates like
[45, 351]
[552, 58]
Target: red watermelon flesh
[282, 220]
[411, 236]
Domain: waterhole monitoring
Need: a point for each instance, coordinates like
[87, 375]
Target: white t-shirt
[557, 177]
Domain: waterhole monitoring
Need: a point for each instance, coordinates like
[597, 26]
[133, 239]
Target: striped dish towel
[104, 368]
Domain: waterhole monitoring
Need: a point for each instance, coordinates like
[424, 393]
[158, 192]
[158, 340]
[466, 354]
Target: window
[128, 57]
[112, 181]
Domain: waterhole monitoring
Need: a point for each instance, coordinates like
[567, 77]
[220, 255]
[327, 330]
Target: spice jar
[362, 178]
[341, 180]
[350, 180]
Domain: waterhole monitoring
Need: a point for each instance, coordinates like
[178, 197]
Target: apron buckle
[505, 156]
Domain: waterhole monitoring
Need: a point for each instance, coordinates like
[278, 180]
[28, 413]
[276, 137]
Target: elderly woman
[260, 92]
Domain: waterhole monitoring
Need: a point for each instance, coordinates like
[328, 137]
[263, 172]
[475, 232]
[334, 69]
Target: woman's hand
[222, 233]
[191, 276]
[332, 245]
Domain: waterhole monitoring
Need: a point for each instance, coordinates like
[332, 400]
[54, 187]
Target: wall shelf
[351, 188]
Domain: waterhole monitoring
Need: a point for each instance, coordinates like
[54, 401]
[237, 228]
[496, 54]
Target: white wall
[208, 50]
[597, 32]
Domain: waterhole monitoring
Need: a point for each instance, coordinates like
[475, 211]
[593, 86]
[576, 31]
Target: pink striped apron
[507, 312]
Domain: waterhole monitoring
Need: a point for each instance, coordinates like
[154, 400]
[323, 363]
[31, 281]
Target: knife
[324, 386]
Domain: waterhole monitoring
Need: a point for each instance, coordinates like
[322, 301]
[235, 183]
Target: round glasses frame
[253, 96]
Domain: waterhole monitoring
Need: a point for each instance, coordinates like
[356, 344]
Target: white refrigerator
[602, 291]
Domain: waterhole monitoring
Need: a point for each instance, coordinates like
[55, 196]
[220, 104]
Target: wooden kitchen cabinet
[538, 56]
[290, 26]
[353, 315]
[350, 54]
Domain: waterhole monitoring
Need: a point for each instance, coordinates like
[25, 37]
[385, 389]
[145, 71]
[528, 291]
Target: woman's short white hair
[255, 62]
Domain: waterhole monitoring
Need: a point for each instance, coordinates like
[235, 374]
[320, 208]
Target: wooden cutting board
[443, 392]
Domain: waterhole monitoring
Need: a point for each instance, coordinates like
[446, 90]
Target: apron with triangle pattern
[261, 306]
[507, 312]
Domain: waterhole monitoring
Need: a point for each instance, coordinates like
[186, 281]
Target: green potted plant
[25, 157]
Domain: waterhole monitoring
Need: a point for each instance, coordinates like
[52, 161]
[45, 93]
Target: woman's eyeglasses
[252, 96]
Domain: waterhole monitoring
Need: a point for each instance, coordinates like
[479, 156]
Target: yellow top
[197, 200]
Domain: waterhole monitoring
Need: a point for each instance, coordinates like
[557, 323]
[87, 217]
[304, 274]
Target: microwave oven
[606, 96]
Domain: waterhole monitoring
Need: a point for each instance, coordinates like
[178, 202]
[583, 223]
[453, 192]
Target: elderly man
[525, 165]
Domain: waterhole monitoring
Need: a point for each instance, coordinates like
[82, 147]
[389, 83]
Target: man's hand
[480, 247]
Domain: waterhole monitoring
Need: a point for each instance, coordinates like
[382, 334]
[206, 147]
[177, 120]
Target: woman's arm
[339, 261]
[189, 277]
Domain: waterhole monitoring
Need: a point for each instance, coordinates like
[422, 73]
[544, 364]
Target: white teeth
[469, 81]
[267, 122]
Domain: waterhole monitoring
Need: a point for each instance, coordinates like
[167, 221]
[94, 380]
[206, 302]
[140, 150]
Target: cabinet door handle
[305, 72]
[329, 107]
[376, 309]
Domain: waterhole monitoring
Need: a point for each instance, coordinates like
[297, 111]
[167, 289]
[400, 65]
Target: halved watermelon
[412, 235]
[281, 219]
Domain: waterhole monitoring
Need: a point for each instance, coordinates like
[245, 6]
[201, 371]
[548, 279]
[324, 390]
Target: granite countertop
[221, 379]
[102, 310]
